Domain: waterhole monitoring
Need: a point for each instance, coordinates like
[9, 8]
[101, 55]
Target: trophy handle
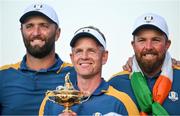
[68, 85]
[50, 94]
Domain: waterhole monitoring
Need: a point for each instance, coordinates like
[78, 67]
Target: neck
[152, 73]
[88, 85]
[40, 63]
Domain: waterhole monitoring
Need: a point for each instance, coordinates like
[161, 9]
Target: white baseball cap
[150, 19]
[40, 9]
[90, 32]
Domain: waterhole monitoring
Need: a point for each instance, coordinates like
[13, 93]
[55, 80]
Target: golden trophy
[65, 95]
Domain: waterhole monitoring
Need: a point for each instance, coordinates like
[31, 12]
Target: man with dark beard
[153, 83]
[23, 85]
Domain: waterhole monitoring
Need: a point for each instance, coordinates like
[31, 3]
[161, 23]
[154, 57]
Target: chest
[23, 93]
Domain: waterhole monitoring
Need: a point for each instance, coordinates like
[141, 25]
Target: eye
[77, 52]
[140, 40]
[92, 51]
[44, 25]
[157, 39]
[28, 26]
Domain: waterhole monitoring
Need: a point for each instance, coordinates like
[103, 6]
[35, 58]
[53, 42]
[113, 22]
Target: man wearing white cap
[88, 56]
[153, 83]
[23, 85]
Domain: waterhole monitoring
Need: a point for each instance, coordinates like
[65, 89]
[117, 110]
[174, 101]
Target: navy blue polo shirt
[99, 103]
[121, 82]
[22, 89]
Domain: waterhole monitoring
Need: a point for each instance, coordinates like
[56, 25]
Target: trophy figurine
[65, 95]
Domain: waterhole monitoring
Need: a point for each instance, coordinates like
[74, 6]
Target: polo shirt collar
[102, 88]
[53, 68]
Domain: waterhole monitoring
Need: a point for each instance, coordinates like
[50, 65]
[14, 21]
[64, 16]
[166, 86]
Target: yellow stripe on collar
[15, 66]
[65, 64]
[118, 74]
[176, 67]
[125, 99]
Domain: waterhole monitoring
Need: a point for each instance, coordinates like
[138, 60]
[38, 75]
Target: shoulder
[176, 74]
[176, 70]
[65, 67]
[123, 75]
[66, 64]
[15, 66]
[118, 94]
[176, 67]
[125, 99]
[8, 71]
[68, 68]
[120, 80]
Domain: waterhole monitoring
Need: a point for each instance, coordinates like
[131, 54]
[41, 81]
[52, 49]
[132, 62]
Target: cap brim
[32, 13]
[83, 34]
[147, 26]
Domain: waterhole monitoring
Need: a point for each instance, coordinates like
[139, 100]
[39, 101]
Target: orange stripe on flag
[161, 88]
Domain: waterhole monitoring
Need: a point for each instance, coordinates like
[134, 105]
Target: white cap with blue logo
[40, 8]
[151, 20]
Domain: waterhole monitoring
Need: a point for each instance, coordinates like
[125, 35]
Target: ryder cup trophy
[65, 95]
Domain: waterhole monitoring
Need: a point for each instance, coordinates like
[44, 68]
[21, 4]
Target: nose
[36, 31]
[148, 45]
[85, 55]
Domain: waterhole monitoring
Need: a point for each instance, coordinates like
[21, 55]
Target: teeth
[149, 55]
[83, 64]
[37, 42]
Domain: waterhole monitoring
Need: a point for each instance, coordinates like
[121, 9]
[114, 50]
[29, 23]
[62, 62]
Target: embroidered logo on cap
[38, 6]
[148, 19]
[173, 96]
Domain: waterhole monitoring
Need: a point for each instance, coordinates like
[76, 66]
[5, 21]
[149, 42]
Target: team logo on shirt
[108, 114]
[97, 114]
[173, 96]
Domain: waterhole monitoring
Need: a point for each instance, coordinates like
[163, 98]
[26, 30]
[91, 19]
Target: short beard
[37, 51]
[149, 67]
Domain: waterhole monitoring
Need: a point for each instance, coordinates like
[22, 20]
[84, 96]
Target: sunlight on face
[88, 57]
[39, 36]
[150, 47]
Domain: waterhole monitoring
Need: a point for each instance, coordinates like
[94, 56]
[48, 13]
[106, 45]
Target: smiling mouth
[85, 63]
[37, 42]
[149, 55]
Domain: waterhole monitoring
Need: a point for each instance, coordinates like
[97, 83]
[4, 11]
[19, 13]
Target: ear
[71, 56]
[132, 43]
[168, 43]
[104, 57]
[58, 32]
